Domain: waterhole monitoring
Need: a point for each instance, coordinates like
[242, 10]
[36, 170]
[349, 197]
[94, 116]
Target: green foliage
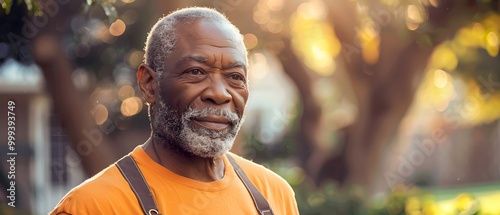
[329, 199]
[6, 5]
[107, 6]
[34, 7]
[332, 200]
[5, 209]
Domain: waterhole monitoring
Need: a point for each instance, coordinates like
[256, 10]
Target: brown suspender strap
[258, 199]
[135, 179]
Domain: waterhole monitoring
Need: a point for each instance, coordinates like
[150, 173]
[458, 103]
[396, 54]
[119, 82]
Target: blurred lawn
[481, 199]
[485, 197]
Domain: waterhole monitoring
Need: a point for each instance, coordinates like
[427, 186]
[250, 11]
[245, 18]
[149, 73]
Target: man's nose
[216, 93]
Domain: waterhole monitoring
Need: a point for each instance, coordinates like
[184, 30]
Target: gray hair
[162, 37]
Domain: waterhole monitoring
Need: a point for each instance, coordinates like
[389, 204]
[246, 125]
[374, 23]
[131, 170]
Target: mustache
[191, 113]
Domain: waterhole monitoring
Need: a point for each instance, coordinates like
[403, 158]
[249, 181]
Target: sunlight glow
[443, 57]
[492, 39]
[258, 66]
[370, 42]
[314, 40]
[415, 15]
[440, 78]
[492, 44]
[312, 10]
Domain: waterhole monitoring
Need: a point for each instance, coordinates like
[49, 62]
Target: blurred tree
[385, 48]
[36, 38]
[387, 65]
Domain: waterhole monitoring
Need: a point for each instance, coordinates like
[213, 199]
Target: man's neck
[190, 166]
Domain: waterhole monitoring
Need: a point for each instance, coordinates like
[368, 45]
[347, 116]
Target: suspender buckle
[153, 212]
[266, 212]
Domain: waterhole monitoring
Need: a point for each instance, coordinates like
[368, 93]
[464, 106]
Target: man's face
[203, 90]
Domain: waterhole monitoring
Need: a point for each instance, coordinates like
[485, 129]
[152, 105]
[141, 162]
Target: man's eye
[237, 77]
[195, 72]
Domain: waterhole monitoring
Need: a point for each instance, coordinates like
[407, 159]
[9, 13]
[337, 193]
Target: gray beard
[178, 136]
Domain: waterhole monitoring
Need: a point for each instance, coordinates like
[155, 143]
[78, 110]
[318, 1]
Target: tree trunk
[47, 53]
[309, 124]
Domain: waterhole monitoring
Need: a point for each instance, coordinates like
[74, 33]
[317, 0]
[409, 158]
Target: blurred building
[42, 173]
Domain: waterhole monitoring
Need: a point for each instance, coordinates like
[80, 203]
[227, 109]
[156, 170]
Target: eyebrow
[204, 60]
[188, 58]
[238, 64]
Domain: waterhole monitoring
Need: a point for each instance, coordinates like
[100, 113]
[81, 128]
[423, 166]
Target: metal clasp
[151, 211]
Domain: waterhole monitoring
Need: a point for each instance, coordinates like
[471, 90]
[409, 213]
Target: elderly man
[195, 82]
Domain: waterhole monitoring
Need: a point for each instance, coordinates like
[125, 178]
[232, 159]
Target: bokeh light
[135, 58]
[117, 28]
[312, 10]
[80, 78]
[126, 91]
[101, 32]
[261, 16]
[275, 5]
[131, 106]
[250, 41]
[274, 26]
[259, 67]
[492, 39]
[492, 43]
[415, 15]
[444, 58]
[440, 78]
[100, 114]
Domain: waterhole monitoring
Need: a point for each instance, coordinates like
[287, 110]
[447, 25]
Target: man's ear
[147, 82]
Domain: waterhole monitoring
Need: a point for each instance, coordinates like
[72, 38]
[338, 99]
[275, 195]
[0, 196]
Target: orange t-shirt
[109, 193]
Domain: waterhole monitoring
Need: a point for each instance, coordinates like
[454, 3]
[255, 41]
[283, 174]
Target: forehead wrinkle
[221, 60]
[196, 58]
[204, 60]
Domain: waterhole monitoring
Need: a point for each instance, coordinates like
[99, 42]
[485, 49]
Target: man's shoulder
[258, 173]
[108, 179]
[94, 194]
